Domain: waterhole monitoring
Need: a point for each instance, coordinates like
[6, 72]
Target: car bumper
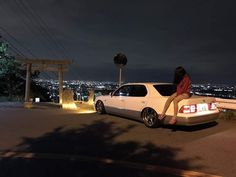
[197, 120]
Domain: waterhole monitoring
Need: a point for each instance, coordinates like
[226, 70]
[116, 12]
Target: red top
[184, 86]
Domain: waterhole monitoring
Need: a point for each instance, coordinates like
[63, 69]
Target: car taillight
[212, 106]
[188, 109]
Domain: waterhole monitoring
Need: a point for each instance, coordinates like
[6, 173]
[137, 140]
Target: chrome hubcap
[99, 106]
[150, 116]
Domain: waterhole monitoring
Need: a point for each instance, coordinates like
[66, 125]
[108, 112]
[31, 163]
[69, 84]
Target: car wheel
[100, 107]
[150, 118]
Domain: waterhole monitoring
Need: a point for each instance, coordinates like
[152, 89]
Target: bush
[11, 99]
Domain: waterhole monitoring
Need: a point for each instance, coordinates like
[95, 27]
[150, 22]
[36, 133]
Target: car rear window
[165, 89]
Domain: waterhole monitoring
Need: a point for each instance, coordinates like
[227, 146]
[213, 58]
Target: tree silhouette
[76, 152]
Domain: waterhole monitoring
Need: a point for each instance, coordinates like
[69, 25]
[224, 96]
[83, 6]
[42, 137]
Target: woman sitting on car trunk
[183, 83]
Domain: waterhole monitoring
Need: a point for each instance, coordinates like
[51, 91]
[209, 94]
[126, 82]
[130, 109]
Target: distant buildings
[81, 89]
[220, 91]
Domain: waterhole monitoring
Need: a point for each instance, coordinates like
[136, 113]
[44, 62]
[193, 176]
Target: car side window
[138, 91]
[122, 91]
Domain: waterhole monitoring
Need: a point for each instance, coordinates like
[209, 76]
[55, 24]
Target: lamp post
[120, 61]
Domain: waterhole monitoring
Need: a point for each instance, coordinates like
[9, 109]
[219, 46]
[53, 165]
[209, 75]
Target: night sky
[155, 35]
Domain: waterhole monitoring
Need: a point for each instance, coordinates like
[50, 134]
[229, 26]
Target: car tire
[100, 107]
[150, 118]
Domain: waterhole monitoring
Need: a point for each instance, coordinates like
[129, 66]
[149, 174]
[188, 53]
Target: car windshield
[165, 89]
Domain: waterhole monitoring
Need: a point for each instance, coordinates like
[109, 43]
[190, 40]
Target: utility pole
[28, 82]
[120, 61]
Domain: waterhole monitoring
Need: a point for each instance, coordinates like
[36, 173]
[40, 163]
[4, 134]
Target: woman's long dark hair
[179, 74]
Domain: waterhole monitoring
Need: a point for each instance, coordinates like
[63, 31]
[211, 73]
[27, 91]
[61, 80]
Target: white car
[145, 101]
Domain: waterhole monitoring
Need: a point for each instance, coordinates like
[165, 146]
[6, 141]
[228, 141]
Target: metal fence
[226, 103]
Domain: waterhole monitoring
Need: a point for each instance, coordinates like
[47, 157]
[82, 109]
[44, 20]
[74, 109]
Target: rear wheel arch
[150, 117]
[99, 106]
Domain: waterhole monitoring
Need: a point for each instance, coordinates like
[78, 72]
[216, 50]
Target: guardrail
[226, 103]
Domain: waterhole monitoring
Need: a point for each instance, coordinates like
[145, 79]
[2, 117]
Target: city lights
[81, 89]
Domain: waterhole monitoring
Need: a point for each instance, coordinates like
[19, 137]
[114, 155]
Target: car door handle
[143, 102]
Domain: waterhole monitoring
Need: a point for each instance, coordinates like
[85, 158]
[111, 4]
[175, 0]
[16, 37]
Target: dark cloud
[156, 36]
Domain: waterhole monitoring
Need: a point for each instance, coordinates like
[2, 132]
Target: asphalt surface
[51, 132]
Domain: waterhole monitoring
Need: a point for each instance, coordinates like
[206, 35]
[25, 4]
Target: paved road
[57, 131]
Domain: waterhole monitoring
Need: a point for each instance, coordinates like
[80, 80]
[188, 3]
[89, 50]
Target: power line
[44, 27]
[40, 26]
[17, 41]
[12, 47]
[30, 23]
[14, 39]
[17, 51]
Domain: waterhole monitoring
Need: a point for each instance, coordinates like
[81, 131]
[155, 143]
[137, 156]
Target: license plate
[202, 107]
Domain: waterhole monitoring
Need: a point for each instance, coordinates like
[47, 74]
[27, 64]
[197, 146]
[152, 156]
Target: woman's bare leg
[167, 104]
[176, 108]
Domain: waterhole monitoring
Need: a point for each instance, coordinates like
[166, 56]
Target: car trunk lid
[196, 100]
[197, 104]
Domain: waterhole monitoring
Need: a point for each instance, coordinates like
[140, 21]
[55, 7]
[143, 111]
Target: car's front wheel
[150, 118]
[100, 107]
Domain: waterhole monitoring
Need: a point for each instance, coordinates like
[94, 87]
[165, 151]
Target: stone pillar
[91, 96]
[28, 82]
